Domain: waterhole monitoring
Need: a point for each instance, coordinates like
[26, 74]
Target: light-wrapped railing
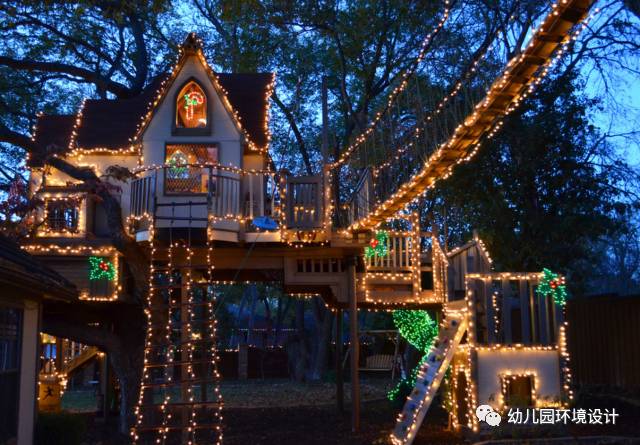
[399, 257]
[226, 193]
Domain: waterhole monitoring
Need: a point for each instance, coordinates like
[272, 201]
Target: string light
[360, 139]
[514, 85]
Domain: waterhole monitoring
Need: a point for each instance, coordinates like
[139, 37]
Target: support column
[355, 344]
[104, 385]
[339, 376]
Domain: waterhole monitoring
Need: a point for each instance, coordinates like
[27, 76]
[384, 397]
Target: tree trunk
[324, 330]
[120, 334]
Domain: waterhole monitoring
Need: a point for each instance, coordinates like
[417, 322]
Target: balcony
[224, 199]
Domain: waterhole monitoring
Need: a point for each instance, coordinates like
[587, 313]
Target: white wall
[224, 134]
[223, 130]
[491, 364]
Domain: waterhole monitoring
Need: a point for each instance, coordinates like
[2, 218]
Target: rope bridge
[425, 128]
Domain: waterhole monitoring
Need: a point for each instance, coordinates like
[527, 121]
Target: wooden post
[339, 376]
[355, 345]
[104, 385]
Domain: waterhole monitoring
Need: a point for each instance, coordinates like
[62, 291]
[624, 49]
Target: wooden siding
[603, 338]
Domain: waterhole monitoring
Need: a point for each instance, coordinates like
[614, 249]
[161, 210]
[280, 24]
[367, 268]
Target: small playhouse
[503, 335]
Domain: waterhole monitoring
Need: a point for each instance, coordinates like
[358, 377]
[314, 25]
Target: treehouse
[199, 194]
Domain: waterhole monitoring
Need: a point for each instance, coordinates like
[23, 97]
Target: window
[61, 215]
[518, 391]
[182, 175]
[191, 107]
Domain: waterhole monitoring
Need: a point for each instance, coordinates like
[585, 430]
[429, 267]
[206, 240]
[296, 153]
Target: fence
[603, 339]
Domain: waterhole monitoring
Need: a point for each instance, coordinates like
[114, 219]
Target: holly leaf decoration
[554, 285]
[378, 245]
[101, 269]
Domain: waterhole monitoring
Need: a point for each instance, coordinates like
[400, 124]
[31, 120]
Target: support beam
[339, 376]
[355, 344]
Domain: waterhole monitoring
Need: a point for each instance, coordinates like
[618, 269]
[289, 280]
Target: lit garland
[554, 285]
[100, 269]
[378, 245]
[419, 329]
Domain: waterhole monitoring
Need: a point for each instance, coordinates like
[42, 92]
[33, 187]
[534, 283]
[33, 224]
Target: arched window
[191, 107]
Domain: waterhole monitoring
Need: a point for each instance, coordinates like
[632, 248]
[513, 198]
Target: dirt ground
[281, 412]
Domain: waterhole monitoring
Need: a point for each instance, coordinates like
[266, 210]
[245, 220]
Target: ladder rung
[177, 363]
[199, 426]
[181, 204]
[180, 218]
[177, 306]
[181, 404]
[178, 383]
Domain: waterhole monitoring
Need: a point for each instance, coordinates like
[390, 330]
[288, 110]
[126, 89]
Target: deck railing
[224, 192]
[304, 208]
[399, 255]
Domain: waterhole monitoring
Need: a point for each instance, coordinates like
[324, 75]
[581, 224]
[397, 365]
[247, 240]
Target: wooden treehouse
[208, 208]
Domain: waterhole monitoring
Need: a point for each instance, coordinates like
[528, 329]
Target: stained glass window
[191, 107]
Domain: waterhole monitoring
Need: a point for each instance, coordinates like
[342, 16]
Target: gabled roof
[54, 129]
[110, 125]
[23, 275]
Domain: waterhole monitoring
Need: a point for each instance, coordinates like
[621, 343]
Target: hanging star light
[378, 245]
[99, 269]
[554, 285]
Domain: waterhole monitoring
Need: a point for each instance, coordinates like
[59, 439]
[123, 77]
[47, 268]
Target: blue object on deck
[265, 223]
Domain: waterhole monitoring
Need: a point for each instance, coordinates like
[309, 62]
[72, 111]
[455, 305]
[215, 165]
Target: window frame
[199, 131]
[507, 379]
[69, 203]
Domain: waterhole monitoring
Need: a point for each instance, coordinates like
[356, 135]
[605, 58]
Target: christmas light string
[421, 182]
[424, 47]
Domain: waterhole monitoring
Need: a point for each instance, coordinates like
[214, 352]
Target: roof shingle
[111, 123]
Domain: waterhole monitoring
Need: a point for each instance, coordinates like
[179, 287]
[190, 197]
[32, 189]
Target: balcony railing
[225, 193]
[304, 206]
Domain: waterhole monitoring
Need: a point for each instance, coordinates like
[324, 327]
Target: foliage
[541, 192]
[60, 429]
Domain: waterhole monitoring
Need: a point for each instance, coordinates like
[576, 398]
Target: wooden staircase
[87, 353]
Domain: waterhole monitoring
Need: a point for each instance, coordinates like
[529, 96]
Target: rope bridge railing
[432, 123]
[421, 112]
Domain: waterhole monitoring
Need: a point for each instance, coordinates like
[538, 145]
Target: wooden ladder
[430, 376]
[179, 401]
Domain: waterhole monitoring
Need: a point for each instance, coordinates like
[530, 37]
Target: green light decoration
[100, 269]
[378, 245]
[177, 165]
[192, 101]
[419, 329]
[553, 284]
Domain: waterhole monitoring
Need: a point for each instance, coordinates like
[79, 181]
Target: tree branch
[296, 131]
[55, 67]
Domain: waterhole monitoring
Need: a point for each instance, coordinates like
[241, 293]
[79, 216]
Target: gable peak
[192, 44]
